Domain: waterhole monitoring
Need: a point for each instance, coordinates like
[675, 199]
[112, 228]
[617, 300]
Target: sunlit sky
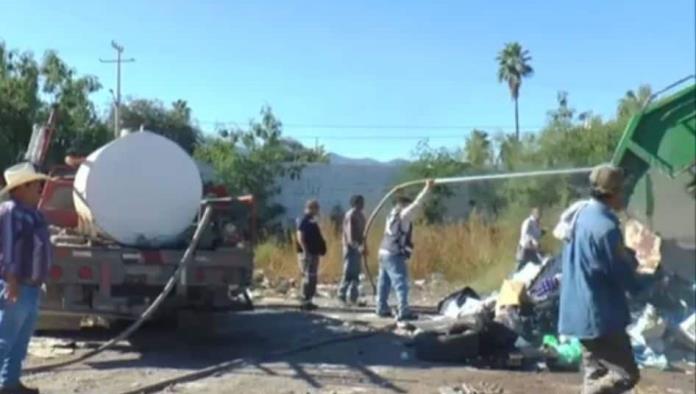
[365, 79]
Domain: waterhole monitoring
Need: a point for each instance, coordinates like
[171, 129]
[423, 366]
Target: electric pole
[117, 99]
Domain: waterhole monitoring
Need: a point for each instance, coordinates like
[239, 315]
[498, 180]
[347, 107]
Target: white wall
[333, 184]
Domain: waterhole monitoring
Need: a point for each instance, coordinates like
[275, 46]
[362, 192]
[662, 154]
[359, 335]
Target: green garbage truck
[658, 153]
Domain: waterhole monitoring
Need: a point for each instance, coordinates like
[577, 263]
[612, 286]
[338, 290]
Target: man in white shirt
[530, 238]
[394, 252]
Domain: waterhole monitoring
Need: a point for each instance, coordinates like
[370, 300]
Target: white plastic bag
[650, 329]
[564, 228]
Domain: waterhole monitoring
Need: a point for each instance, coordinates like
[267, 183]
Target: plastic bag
[649, 329]
[569, 353]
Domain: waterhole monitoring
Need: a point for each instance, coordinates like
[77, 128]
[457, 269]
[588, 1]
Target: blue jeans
[351, 274]
[17, 321]
[392, 272]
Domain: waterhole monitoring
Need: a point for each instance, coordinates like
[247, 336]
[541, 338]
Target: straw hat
[21, 174]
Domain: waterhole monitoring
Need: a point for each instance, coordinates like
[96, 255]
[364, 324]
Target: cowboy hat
[21, 174]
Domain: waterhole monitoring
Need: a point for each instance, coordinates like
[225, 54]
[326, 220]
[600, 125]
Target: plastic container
[140, 190]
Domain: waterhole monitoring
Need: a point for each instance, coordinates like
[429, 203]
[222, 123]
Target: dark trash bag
[458, 346]
[446, 348]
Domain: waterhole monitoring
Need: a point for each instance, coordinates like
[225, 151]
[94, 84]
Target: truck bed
[121, 282]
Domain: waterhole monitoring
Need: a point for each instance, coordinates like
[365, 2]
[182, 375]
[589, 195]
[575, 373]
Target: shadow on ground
[254, 337]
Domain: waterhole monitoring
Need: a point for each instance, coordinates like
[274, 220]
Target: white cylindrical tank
[141, 190]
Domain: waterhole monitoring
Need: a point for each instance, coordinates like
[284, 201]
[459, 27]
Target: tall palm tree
[513, 66]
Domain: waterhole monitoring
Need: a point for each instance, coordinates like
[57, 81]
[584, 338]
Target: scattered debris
[686, 333]
[48, 347]
[645, 243]
[481, 388]
[649, 330]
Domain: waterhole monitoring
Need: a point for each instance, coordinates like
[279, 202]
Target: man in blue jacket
[598, 270]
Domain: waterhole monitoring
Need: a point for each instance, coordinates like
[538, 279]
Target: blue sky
[428, 65]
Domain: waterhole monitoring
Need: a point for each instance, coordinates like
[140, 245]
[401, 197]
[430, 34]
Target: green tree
[564, 115]
[435, 163]
[513, 67]
[79, 127]
[28, 91]
[509, 151]
[633, 101]
[173, 122]
[252, 160]
[478, 150]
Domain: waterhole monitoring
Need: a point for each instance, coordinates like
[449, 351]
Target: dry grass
[477, 252]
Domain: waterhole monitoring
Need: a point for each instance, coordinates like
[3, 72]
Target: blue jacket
[598, 270]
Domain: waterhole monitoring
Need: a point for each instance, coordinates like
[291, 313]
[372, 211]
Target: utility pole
[117, 99]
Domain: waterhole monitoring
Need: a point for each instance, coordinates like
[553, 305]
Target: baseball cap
[607, 178]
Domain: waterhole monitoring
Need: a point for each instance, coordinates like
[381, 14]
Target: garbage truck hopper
[658, 152]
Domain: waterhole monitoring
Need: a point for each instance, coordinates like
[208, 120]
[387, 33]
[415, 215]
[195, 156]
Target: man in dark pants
[310, 247]
[25, 258]
[598, 270]
[353, 249]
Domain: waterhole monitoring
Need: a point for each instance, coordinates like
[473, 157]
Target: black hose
[183, 263]
[228, 365]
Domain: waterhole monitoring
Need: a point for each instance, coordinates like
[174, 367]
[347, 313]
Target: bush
[476, 252]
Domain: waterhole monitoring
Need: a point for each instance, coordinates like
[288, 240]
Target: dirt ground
[380, 363]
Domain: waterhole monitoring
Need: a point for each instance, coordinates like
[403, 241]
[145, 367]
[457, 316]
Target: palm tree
[513, 66]
[633, 102]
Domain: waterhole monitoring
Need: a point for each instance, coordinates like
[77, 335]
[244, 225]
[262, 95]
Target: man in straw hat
[598, 270]
[25, 257]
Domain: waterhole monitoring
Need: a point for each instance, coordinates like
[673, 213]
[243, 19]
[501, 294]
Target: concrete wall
[333, 184]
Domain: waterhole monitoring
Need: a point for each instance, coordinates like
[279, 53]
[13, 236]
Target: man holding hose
[394, 252]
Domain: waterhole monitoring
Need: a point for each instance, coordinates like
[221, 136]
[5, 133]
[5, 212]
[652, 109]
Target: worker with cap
[395, 251]
[310, 247]
[598, 271]
[25, 258]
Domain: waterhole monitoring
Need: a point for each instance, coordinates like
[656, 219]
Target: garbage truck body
[658, 153]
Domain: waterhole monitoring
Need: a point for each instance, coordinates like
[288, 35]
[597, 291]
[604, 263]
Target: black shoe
[360, 303]
[308, 306]
[407, 317]
[21, 389]
[386, 314]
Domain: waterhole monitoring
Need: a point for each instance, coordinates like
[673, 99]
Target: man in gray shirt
[353, 249]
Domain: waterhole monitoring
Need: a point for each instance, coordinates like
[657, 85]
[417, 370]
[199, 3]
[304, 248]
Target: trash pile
[516, 327]
[504, 330]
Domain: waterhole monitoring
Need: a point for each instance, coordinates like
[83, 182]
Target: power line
[368, 126]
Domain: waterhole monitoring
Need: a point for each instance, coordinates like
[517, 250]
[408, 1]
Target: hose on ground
[446, 181]
[183, 263]
[228, 365]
